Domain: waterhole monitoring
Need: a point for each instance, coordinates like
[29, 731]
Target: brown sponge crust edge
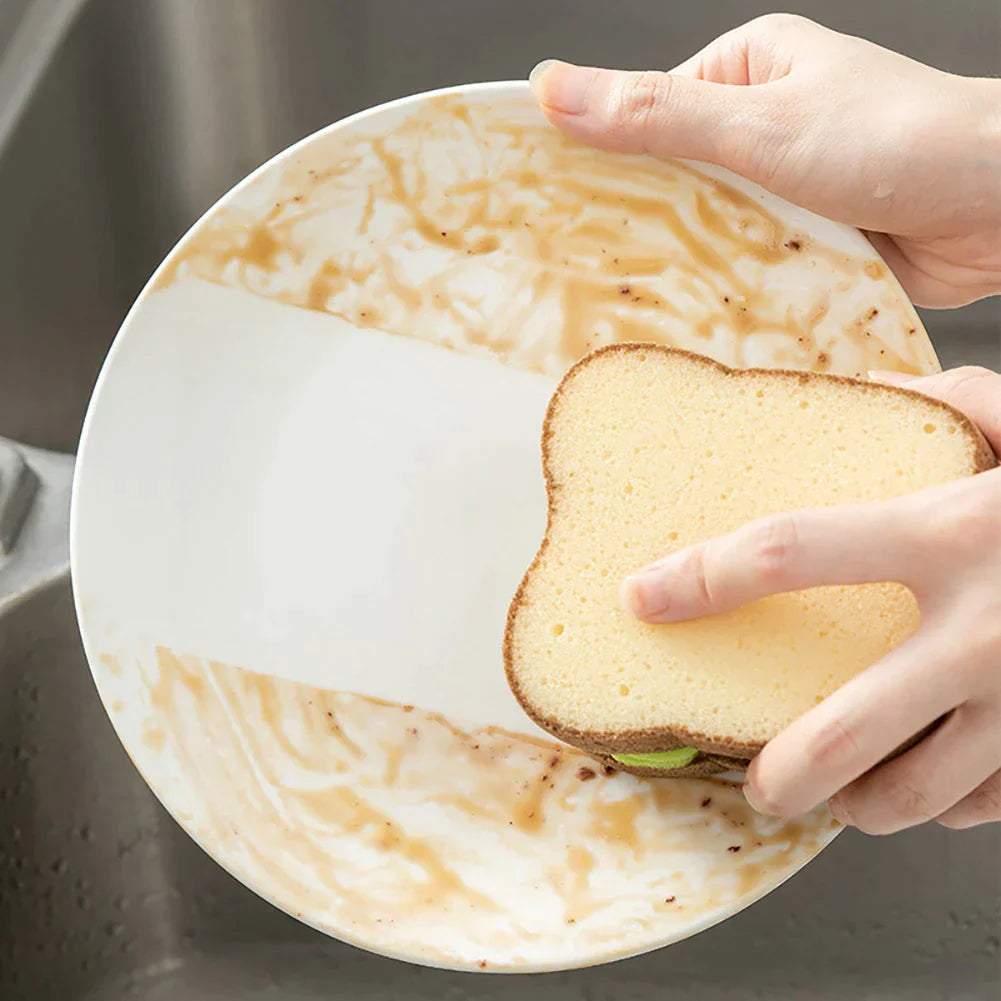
[720, 752]
[703, 766]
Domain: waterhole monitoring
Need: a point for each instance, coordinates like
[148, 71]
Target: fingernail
[643, 594]
[758, 803]
[753, 795]
[891, 378]
[750, 797]
[535, 77]
[837, 809]
[561, 86]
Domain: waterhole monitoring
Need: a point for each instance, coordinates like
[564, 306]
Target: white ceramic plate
[309, 483]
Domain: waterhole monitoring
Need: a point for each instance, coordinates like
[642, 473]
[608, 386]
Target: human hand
[836, 124]
[943, 543]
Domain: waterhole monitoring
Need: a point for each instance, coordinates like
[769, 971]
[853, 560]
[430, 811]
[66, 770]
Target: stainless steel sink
[120, 121]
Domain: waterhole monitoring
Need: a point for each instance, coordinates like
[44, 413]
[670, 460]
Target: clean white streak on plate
[343, 507]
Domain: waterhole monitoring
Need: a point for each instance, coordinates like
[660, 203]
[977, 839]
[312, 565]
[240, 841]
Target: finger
[757, 52]
[784, 552]
[982, 806]
[929, 779]
[973, 390]
[653, 112]
[856, 726]
[719, 105]
[930, 280]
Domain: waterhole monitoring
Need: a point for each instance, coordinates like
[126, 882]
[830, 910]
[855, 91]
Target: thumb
[650, 112]
[973, 390]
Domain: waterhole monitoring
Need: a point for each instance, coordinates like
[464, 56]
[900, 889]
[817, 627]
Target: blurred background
[121, 121]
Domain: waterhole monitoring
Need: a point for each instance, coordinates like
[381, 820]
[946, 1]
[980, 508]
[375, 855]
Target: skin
[853, 131]
[912, 156]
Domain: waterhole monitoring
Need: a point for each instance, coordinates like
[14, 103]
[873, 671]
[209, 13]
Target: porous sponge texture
[648, 449]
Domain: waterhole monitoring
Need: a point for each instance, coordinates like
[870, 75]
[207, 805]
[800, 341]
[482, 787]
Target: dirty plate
[309, 482]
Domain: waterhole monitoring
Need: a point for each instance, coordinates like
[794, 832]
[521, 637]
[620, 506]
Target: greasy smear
[392, 825]
[618, 820]
[111, 665]
[477, 228]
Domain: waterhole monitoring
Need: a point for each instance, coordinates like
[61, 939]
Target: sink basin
[103, 896]
[139, 115]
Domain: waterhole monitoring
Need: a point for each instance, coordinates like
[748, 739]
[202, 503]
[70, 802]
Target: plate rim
[591, 957]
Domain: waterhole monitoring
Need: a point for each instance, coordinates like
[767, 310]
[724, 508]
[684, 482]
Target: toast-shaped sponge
[647, 449]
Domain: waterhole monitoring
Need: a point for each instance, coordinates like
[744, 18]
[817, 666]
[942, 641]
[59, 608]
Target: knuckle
[906, 802]
[771, 136]
[640, 101]
[850, 807]
[981, 806]
[985, 800]
[697, 572]
[779, 22]
[774, 541]
[833, 746]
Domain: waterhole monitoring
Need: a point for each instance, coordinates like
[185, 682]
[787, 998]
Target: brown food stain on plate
[475, 230]
[391, 825]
